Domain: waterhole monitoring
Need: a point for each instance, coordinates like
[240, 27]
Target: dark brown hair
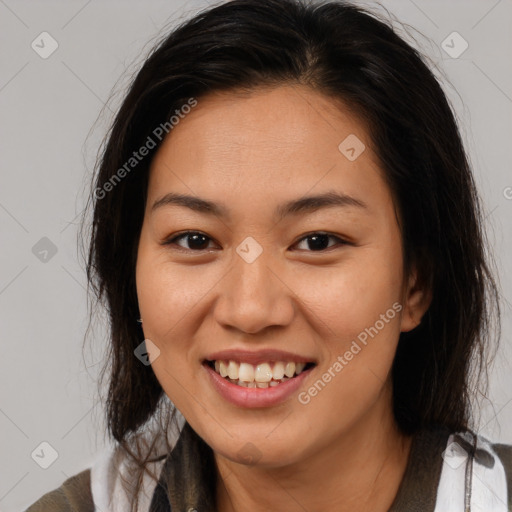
[348, 54]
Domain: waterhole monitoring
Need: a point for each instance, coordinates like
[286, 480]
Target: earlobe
[416, 303]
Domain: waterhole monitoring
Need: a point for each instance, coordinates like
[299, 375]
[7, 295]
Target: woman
[253, 367]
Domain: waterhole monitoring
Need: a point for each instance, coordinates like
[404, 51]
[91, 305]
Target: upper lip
[257, 356]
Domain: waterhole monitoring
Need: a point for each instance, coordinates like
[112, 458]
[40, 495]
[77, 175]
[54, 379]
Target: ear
[416, 301]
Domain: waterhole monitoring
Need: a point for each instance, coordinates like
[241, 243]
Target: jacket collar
[188, 479]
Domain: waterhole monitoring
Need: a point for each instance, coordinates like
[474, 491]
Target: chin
[259, 450]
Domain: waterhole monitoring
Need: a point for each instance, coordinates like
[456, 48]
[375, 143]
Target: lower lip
[255, 397]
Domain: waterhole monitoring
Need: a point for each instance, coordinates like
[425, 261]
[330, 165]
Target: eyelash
[172, 241]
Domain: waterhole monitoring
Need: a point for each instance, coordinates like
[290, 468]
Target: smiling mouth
[263, 375]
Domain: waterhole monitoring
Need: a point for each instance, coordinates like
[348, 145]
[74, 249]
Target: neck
[361, 471]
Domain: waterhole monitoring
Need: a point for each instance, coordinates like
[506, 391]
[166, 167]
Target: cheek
[357, 313]
[172, 299]
[167, 293]
[165, 298]
[353, 295]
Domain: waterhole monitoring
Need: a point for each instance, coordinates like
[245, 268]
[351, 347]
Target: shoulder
[504, 453]
[74, 495]
[474, 465]
[484, 451]
[447, 468]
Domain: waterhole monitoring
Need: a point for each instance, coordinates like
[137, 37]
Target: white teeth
[233, 370]
[299, 367]
[289, 369]
[263, 373]
[246, 372]
[278, 371]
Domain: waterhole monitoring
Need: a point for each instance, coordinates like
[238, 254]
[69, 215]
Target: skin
[341, 451]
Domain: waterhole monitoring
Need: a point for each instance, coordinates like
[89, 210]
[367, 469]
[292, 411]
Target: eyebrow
[303, 205]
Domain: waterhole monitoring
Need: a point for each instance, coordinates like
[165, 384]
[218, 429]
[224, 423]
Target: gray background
[50, 131]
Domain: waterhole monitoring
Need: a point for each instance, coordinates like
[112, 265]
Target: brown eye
[320, 241]
[196, 241]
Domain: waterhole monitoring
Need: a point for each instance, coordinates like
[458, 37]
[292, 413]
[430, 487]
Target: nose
[253, 296]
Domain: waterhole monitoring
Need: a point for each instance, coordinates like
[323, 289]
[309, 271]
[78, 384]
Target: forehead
[274, 141]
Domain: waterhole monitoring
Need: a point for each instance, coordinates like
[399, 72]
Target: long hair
[351, 55]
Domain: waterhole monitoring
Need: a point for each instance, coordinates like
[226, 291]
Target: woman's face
[275, 278]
